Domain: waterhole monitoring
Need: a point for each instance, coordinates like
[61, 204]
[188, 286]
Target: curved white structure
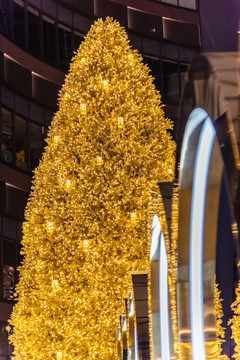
[201, 169]
[132, 333]
[159, 294]
[196, 237]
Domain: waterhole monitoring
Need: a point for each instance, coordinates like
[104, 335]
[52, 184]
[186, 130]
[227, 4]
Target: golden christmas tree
[86, 219]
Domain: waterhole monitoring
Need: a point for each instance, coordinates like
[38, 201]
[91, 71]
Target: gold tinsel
[86, 220]
[219, 316]
[173, 267]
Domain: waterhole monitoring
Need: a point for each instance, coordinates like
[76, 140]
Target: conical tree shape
[85, 228]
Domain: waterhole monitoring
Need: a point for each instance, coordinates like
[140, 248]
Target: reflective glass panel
[21, 143]
[6, 136]
[35, 137]
[9, 266]
[49, 40]
[65, 47]
[154, 65]
[34, 43]
[19, 24]
[171, 81]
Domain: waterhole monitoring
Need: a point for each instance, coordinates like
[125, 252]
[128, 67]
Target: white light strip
[119, 333]
[135, 344]
[156, 231]
[163, 297]
[196, 237]
[124, 324]
[197, 116]
[131, 307]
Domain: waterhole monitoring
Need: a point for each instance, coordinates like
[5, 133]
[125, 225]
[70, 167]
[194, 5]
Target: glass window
[36, 113]
[49, 40]
[6, 136]
[190, 4]
[9, 266]
[81, 23]
[151, 47]
[78, 39]
[183, 70]
[21, 142]
[169, 51]
[65, 46]
[19, 24]
[186, 54]
[36, 3]
[5, 22]
[65, 15]
[172, 2]
[170, 82]
[36, 144]
[154, 65]
[7, 97]
[49, 7]
[21, 105]
[9, 251]
[16, 202]
[9, 227]
[135, 41]
[19, 230]
[48, 117]
[34, 43]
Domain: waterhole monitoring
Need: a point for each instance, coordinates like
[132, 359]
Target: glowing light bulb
[119, 333]
[83, 61]
[99, 160]
[120, 122]
[85, 245]
[39, 264]
[56, 139]
[105, 84]
[131, 59]
[68, 184]
[134, 217]
[83, 108]
[55, 285]
[66, 96]
[50, 227]
[59, 355]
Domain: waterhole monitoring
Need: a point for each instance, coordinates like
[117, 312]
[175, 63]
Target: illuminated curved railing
[124, 335]
[159, 294]
[196, 237]
[200, 181]
[119, 343]
[132, 331]
[201, 176]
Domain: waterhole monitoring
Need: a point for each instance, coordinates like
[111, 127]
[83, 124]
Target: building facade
[37, 41]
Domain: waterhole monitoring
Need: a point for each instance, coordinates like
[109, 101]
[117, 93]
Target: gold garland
[219, 316]
[173, 267]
